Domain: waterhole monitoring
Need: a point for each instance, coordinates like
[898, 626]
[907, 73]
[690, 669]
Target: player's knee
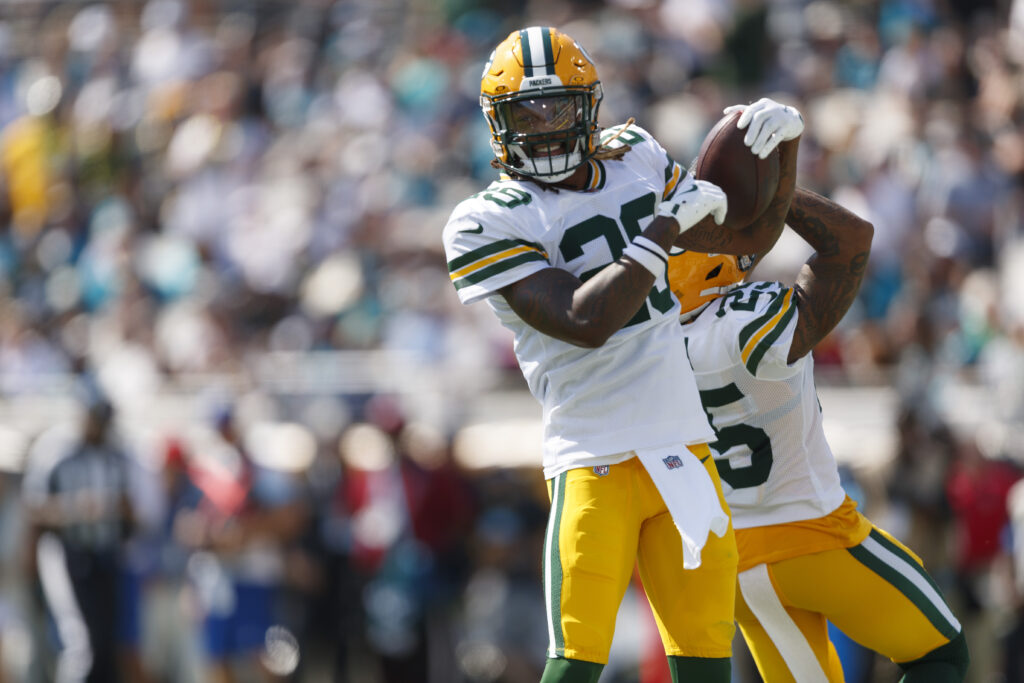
[952, 655]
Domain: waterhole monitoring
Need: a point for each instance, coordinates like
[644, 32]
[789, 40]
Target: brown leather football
[748, 181]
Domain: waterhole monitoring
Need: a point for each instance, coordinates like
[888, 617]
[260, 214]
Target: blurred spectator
[978, 490]
[410, 510]
[1013, 642]
[916, 488]
[79, 512]
[161, 629]
[240, 530]
[502, 628]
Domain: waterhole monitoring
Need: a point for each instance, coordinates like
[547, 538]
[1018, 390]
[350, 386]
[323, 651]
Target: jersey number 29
[607, 228]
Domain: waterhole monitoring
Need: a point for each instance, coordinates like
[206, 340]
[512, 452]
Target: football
[749, 182]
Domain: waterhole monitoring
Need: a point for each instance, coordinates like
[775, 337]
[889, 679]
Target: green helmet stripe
[524, 39]
[549, 53]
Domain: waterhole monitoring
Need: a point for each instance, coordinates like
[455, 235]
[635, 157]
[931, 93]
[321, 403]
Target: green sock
[946, 664]
[571, 671]
[700, 669]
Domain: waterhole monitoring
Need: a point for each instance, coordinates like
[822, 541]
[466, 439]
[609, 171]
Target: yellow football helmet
[540, 94]
[698, 279]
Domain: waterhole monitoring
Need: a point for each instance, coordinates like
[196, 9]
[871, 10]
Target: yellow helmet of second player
[540, 94]
[698, 279]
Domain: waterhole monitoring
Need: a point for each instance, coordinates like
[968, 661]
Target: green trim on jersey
[597, 175]
[770, 338]
[751, 328]
[670, 167]
[460, 262]
[492, 259]
[490, 271]
[673, 174]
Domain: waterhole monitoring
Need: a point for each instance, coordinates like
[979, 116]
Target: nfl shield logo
[600, 470]
[673, 462]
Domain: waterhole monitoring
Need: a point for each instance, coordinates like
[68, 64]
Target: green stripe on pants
[886, 559]
[553, 569]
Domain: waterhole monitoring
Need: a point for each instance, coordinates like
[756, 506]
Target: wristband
[652, 246]
[647, 254]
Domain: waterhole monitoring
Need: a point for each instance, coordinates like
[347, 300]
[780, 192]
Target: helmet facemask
[544, 134]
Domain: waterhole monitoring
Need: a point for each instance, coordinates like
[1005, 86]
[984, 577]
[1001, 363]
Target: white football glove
[692, 200]
[770, 123]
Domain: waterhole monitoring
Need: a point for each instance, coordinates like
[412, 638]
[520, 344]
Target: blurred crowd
[208, 200]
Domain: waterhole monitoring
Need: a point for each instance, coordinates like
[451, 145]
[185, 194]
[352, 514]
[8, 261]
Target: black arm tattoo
[707, 237]
[814, 231]
[829, 281]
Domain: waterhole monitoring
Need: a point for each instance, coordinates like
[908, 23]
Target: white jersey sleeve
[486, 247]
[770, 448]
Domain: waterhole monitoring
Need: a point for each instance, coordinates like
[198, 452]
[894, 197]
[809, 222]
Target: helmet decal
[538, 57]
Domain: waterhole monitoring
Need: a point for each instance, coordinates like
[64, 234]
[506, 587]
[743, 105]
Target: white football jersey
[598, 404]
[775, 464]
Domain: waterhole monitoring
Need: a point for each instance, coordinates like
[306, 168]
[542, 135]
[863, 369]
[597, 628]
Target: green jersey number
[627, 136]
[610, 230]
[734, 299]
[753, 439]
[509, 197]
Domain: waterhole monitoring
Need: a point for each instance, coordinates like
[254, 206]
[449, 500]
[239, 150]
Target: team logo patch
[601, 470]
[672, 462]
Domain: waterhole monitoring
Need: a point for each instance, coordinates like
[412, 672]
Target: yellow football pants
[878, 593]
[601, 524]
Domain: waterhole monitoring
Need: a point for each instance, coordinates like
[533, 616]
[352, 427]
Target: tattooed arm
[586, 314]
[709, 238]
[829, 281]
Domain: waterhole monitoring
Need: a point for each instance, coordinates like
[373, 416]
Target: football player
[807, 555]
[569, 249]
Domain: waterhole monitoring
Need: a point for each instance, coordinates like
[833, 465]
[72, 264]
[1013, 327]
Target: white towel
[690, 496]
